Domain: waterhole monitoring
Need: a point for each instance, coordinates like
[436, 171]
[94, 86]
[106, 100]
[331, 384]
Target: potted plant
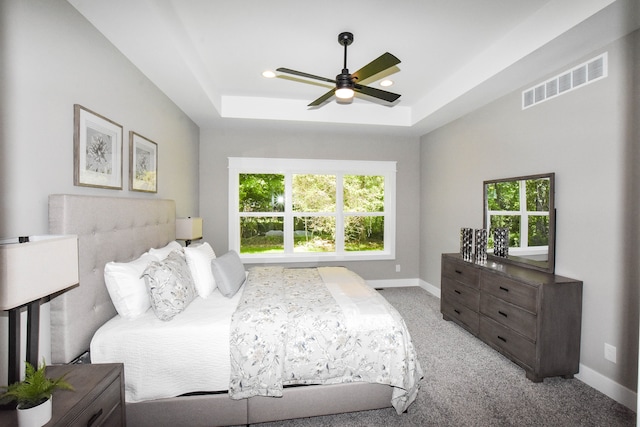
[33, 395]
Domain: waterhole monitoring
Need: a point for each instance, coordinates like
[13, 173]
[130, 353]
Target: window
[522, 206]
[300, 210]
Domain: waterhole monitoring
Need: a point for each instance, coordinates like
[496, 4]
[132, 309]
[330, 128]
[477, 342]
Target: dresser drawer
[461, 314]
[509, 315]
[521, 294]
[459, 293]
[102, 408]
[508, 341]
[461, 272]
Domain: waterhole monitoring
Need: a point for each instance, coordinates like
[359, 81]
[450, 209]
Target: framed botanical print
[143, 164]
[97, 150]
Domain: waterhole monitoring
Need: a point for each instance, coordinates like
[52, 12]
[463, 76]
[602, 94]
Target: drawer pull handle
[457, 292]
[502, 339]
[502, 313]
[458, 271]
[504, 289]
[94, 418]
[456, 310]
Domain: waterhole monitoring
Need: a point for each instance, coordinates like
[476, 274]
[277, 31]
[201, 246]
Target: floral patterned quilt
[318, 326]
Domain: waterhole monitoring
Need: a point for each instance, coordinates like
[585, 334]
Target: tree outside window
[295, 214]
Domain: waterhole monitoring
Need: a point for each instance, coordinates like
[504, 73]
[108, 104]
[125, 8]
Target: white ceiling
[208, 56]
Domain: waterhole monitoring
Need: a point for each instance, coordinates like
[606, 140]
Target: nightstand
[98, 399]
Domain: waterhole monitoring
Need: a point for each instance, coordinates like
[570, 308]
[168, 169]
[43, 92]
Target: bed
[121, 229]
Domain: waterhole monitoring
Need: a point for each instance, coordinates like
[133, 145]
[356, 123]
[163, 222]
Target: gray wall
[263, 139]
[52, 58]
[589, 138]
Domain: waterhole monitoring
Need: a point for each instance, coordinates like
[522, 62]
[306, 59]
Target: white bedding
[318, 326]
[166, 359]
[191, 352]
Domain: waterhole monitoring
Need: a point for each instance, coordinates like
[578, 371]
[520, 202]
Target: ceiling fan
[346, 83]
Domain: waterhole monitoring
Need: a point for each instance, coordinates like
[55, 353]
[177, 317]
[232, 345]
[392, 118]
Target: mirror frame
[549, 265]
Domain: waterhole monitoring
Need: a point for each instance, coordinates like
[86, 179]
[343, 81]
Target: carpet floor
[467, 383]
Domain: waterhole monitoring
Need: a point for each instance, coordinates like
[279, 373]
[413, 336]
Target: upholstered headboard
[108, 229]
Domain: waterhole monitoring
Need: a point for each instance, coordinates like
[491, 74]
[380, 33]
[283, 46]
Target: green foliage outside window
[504, 205]
[261, 193]
[313, 195]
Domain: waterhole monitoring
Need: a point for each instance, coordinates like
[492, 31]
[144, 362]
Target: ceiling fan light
[344, 93]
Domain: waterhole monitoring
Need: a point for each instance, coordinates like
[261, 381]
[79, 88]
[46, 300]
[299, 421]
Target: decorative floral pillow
[170, 285]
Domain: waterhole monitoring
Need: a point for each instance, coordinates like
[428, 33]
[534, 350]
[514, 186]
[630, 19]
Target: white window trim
[239, 165]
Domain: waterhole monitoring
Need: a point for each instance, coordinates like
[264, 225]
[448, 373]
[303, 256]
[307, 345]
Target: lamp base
[33, 333]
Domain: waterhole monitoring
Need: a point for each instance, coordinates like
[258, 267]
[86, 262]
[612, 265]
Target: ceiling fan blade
[376, 93]
[307, 75]
[381, 63]
[322, 99]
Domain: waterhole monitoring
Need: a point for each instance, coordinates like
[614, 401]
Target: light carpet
[467, 383]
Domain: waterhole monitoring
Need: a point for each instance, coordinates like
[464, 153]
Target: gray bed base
[121, 229]
[297, 402]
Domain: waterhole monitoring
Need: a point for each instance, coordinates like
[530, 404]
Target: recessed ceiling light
[268, 74]
[386, 83]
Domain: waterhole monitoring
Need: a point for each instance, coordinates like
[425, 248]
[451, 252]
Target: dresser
[98, 399]
[531, 317]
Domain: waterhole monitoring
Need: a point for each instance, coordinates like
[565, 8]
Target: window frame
[289, 167]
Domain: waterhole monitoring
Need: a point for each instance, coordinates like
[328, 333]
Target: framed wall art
[143, 164]
[97, 150]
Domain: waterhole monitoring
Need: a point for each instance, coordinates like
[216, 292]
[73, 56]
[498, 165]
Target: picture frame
[143, 164]
[97, 150]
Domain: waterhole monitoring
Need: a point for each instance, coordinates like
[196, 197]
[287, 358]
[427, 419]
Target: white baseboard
[604, 385]
[607, 386]
[430, 288]
[392, 283]
[399, 283]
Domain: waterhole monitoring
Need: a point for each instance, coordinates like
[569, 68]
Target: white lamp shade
[188, 228]
[36, 269]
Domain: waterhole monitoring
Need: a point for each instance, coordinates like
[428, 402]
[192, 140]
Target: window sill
[318, 257]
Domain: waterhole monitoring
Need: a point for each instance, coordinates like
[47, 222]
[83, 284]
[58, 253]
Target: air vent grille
[588, 72]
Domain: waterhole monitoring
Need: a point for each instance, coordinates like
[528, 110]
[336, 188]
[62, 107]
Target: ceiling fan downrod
[345, 39]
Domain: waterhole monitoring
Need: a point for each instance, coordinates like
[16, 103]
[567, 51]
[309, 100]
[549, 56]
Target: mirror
[525, 206]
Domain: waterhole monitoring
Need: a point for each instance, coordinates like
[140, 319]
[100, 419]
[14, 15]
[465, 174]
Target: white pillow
[162, 253]
[199, 262]
[127, 289]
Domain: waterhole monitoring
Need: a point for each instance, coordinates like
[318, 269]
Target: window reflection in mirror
[525, 206]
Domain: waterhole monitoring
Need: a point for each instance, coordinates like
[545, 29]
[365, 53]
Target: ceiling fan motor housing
[344, 80]
[345, 39]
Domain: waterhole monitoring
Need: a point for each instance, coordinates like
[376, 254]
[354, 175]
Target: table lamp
[188, 229]
[32, 270]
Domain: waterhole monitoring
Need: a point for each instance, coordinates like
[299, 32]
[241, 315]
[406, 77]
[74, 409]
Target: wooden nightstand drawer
[98, 412]
[460, 293]
[509, 315]
[509, 290]
[98, 399]
[507, 341]
[461, 272]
